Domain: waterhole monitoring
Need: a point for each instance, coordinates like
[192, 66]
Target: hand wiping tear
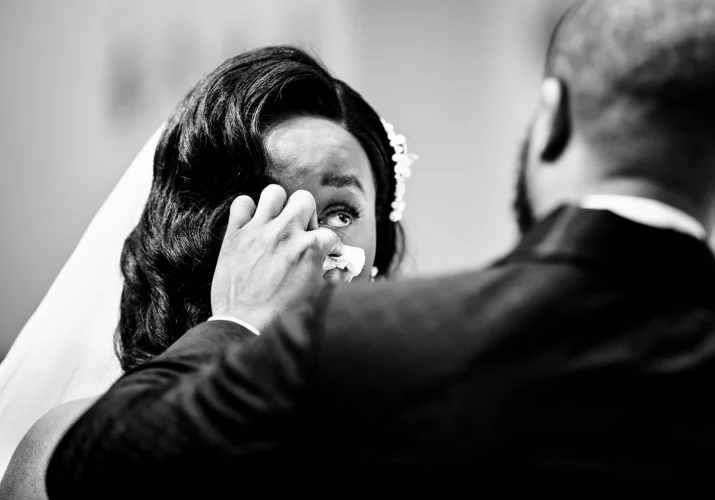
[351, 261]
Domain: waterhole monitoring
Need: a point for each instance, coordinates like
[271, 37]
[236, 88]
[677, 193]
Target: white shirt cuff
[237, 321]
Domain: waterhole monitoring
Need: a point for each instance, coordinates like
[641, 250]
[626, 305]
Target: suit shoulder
[424, 301]
[396, 294]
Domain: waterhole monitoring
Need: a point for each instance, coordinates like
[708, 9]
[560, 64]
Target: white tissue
[352, 259]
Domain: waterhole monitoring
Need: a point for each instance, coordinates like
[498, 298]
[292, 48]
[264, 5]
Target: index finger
[329, 242]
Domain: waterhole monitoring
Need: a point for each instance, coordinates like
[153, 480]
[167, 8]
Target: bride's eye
[338, 217]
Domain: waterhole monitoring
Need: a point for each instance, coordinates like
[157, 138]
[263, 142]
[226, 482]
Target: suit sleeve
[218, 402]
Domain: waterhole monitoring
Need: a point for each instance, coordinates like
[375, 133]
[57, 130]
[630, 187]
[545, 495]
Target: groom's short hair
[630, 64]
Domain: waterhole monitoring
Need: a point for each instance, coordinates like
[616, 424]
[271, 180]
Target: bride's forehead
[309, 145]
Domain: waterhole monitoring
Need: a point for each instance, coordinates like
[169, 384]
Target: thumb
[328, 242]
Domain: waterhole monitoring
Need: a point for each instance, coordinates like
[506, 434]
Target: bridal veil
[66, 349]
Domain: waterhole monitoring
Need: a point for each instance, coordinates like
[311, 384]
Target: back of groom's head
[638, 66]
[636, 93]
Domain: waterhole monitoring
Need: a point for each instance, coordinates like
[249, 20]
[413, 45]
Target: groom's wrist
[233, 319]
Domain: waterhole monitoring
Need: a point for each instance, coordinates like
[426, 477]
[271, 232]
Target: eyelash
[354, 213]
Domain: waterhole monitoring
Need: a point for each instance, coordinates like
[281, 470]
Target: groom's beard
[523, 210]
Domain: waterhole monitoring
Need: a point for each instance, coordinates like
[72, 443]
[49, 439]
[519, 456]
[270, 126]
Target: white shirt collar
[646, 211]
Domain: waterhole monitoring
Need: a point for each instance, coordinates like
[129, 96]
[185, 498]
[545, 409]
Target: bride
[269, 116]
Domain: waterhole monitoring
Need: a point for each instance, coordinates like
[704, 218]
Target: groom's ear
[554, 110]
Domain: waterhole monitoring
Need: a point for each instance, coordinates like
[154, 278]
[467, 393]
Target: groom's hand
[271, 257]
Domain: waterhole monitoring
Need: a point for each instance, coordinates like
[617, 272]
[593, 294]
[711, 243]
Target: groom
[586, 356]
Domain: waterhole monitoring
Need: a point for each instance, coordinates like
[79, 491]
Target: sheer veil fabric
[66, 349]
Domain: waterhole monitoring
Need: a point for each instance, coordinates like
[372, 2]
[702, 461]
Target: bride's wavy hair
[212, 151]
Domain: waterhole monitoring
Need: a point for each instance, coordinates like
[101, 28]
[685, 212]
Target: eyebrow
[341, 180]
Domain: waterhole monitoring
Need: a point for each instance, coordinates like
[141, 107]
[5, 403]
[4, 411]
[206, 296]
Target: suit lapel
[613, 244]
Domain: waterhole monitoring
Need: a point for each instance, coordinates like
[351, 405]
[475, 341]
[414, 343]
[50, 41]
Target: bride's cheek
[337, 276]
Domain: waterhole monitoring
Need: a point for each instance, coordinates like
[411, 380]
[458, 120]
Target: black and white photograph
[356, 248]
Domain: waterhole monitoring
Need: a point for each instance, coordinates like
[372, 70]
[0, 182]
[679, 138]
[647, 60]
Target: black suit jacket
[586, 356]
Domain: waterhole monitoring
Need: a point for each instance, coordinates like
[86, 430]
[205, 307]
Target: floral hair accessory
[403, 161]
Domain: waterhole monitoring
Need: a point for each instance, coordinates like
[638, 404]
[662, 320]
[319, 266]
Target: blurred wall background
[85, 83]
